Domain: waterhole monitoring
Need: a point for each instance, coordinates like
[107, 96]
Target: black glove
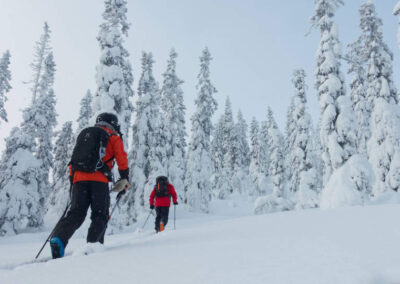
[124, 174]
[176, 203]
[151, 207]
[71, 180]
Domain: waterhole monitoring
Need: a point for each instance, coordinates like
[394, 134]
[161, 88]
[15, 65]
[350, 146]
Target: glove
[121, 185]
[151, 207]
[71, 180]
[176, 203]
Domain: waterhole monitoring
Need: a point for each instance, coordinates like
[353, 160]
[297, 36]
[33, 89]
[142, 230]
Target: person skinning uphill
[90, 172]
[162, 193]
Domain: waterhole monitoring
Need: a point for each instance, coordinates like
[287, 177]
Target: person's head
[109, 118]
[161, 179]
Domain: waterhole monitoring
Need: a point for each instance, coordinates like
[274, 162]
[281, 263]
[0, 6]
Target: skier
[162, 193]
[90, 172]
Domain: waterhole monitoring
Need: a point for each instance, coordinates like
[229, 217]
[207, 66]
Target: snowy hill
[349, 245]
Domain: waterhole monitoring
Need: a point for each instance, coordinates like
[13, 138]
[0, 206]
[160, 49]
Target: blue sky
[256, 45]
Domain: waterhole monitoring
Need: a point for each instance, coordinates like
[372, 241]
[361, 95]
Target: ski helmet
[110, 118]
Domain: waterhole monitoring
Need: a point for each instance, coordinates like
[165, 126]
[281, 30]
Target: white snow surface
[229, 245]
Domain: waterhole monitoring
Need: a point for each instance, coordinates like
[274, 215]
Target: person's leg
[100, 203]
[75, 215]
[164, 215]
[158, 218]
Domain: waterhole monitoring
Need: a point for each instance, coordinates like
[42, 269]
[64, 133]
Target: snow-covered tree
[45, 121]
[114, 73]
[85, 112]
[148, 151]
[224, 186]
[255, 167]
[42, 49]
[276, 201]
[199, 163]
[241, 181]
[175, 130]
[302, 180]
[383, 146]
[21, 206]
[275, 166]
[358, 92]
[60, 188]
[217, 154]
[5, 87]
[337, 122]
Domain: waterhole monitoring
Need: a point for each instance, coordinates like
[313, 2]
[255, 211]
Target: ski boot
[161, 226]
[57, 247]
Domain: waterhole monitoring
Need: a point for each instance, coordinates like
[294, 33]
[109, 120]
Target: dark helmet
[110, 118]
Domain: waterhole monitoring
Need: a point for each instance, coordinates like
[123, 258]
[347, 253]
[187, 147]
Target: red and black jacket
[164, 201]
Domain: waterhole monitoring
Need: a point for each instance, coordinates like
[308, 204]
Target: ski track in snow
[348, 245]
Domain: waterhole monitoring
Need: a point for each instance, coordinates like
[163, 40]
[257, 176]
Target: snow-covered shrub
[349, 185]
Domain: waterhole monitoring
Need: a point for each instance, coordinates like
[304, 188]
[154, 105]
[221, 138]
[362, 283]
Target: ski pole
[151, 211]
[52, 232]
[174, 216]
[119, 195]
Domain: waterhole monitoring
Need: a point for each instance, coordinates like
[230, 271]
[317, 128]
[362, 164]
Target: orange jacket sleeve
[152, 196]
[119, 152]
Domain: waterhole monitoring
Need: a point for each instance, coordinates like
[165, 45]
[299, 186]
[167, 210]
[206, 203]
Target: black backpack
[89, 151]
[162, 186]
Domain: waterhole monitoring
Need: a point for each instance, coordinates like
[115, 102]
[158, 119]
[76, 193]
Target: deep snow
[348, 245]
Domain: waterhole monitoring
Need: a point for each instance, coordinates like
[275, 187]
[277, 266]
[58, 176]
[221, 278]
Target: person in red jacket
[162, 193]
[90, 188]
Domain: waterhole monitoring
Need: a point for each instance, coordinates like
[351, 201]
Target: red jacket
[166, 200]
[115, 149]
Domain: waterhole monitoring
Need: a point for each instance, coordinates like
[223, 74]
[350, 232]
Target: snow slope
[348, 245]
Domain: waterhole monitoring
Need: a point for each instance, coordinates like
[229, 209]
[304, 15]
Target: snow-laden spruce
[241, 181]
[383, 146]
[175, 129]
[114, 73]
[223, 187]
[60, 187]
[337, 127]
[21, 204]
[39, 119]
[148, 152]
[199, 162]
[358, 93]
[42, 49]
[276, 200]
[217, 154]
[302, 178]
[255, 167]
[5, 87]
[85, 112]
[44, 122]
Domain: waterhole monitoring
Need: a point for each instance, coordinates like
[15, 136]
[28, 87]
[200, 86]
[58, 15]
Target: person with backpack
[91, 166]
[162, 193]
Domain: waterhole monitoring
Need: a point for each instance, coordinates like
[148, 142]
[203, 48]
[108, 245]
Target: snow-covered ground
[348, 245]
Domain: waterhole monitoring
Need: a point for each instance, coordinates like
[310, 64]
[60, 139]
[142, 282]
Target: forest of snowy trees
[351, 156]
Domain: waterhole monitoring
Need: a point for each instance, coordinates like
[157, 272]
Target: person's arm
[173, 193]
[152, 195]
[121, 157]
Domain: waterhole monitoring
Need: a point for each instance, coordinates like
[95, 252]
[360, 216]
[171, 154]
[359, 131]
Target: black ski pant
[84, 194]
[162, 216]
